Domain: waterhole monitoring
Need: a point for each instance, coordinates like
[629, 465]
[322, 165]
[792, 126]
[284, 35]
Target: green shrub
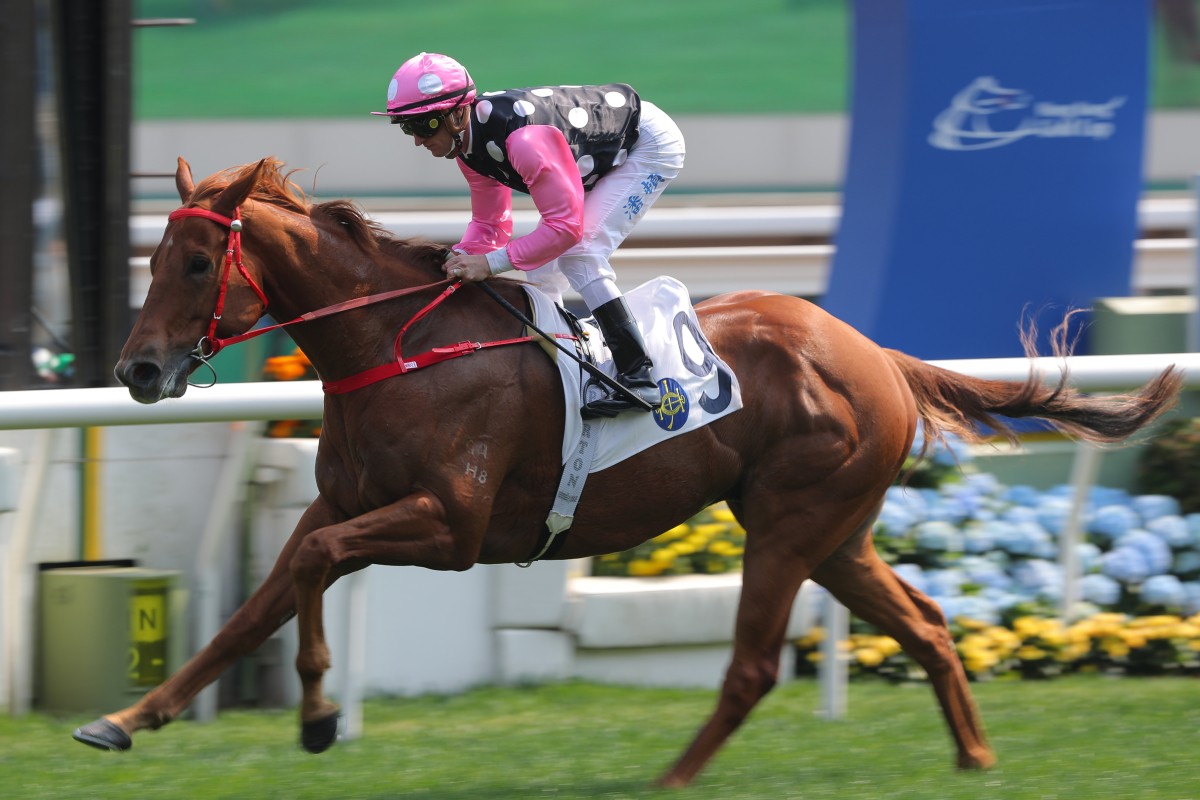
[1171, 464]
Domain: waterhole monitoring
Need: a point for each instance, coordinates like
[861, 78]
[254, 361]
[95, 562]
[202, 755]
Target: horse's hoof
[320, 734]
[104, 735]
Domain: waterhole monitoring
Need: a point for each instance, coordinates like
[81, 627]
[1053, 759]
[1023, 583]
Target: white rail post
[834, 670]
[1083, 474]
[1193, 340]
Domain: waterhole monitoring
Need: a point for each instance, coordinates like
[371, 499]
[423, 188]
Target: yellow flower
[813, 638]
[1115, 648]
[1031, 653]
[1132, 639]
[641, 567]
[868, 656]
[980, 661]
[707, 530]
[721, 513]
[663, 556]
[678, 532]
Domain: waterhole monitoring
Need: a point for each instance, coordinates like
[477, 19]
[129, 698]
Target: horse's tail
[948, 402]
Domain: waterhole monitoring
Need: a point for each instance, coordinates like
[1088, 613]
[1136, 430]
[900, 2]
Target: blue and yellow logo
[673, 412]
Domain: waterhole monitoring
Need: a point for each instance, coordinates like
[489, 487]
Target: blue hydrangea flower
[936, 536]
[1025, 539]
[894, 520]
[1099, 589]
[1052, 513]
[985, 572]
[1164, 590]
[1191, 602]
[944, 582]
[1000, 599]
[1172, 529]
[953, 510]
[911, 500]
[1019, 514]
[985, 483]
[953, 452]
[1125, 564]
[977, 539]
[913, 575]
[1088, 555]
[1109, 523]
[1193, 523]
[1153, 549]
[1153, 506]
[1022, 495]
[971, 607]
[1101, 496]
[1039, 577]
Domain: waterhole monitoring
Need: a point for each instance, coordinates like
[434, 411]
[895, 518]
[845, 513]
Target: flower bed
[709, 543]
[1034, 647]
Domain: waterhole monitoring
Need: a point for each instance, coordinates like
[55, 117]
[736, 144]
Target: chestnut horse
[827, 422]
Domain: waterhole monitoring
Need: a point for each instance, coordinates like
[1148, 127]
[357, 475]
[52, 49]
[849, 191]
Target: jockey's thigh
[618, 202]
[549, 279]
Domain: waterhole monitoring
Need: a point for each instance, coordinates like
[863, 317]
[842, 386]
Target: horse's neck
[343, 343]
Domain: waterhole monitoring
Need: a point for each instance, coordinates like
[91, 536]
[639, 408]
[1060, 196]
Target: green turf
[315, 58]
[322, 59]
[1081, 737]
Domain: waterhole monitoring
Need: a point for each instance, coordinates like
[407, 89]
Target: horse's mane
[336, 217]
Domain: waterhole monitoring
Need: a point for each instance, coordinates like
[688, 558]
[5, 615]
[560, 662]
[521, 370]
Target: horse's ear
[236, 193]
[183, 180]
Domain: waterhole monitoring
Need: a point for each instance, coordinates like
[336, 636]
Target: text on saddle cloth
[697, 386]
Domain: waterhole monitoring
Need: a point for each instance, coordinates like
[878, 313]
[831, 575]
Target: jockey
[592, 158]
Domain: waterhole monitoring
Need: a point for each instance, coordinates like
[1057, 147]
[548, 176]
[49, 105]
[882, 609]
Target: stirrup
[615, 403]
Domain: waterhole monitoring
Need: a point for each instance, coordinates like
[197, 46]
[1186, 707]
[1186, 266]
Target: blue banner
[994, 170]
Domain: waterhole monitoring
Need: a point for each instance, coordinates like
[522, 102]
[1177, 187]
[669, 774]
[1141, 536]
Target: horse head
[201, 288]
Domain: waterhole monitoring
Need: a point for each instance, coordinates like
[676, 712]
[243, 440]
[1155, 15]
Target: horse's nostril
[142, 374]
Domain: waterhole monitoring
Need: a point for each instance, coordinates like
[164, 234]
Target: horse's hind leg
[771, 577]
[868, 587]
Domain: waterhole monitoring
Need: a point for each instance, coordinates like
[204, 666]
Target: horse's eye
[198, 264]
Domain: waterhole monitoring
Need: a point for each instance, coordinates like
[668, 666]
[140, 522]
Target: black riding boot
[624, 341]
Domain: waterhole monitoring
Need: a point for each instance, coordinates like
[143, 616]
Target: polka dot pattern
[430, 84]
[599, 123]
[577, 117]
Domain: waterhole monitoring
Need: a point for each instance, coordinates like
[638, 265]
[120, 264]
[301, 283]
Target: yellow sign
[148, 633]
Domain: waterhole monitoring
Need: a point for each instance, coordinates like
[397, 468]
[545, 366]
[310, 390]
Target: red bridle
[401, 364]
[233, 256]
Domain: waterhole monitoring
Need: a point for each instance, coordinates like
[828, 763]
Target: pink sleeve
[541, 157]
[490, 227]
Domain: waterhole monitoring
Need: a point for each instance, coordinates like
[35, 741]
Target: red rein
[401, 365]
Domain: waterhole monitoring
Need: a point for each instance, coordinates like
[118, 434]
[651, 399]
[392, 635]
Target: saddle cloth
[698, 386]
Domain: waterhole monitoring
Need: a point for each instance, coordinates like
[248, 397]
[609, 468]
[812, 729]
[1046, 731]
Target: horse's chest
[360, 480]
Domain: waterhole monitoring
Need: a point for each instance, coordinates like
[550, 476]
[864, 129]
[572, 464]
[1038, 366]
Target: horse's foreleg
[268, 608]
[869, 588]
[411, 531]
[770, 581]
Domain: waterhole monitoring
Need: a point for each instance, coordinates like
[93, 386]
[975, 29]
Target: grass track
[315, 58]
[1080, 737]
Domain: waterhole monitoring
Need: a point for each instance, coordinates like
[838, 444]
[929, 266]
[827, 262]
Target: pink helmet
[427, 83]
